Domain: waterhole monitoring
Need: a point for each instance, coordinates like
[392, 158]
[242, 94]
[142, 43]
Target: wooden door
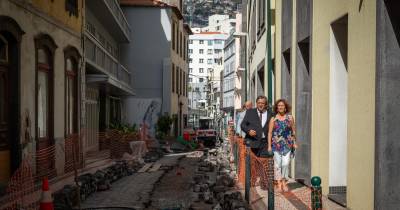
[5, 147]
[4, 106]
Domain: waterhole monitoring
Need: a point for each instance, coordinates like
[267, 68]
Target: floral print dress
[282, 138]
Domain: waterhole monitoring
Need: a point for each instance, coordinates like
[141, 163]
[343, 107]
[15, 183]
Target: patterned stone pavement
[298, 198]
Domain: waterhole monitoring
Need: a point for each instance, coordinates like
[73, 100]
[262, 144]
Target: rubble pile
[89, 183]
[153, 155]
[214, 181]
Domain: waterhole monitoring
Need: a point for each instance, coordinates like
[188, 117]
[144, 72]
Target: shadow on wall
[394, 15]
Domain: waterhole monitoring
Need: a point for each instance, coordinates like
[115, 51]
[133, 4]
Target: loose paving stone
[132, 192]
[155, 167]
[145, 168]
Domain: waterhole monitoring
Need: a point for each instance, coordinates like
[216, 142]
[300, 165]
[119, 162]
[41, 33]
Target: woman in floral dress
[282, 141]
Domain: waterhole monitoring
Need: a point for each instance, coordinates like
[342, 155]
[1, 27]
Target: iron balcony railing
[104, 61]
[119, 15]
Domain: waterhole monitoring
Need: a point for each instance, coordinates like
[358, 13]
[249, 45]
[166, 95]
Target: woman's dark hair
[287, 106]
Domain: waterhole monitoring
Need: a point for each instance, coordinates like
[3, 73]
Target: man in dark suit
[255, 125]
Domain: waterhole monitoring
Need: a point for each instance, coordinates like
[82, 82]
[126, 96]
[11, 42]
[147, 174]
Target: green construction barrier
[192, 145]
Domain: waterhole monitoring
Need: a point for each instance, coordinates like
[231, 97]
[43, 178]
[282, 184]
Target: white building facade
[205, 65]
[232, 74]
[220, 23]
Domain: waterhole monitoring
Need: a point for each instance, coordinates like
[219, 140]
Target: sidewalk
[299, 197]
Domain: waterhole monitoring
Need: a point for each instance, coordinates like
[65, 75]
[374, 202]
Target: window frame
[45, 42]
[173, 35]
[173, 78]
[73, 54]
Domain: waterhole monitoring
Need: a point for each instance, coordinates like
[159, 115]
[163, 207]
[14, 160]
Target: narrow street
[176, 181]
[199, 104]
[198, 180]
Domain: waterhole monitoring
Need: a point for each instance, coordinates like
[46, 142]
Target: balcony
[104, 67]
[110, 14]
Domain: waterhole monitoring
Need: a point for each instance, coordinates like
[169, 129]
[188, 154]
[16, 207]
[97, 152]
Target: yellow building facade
[341, 53]
[33, 33]
[72, 18]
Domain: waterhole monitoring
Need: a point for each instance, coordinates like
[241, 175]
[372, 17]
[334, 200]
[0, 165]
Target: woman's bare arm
[270, 128]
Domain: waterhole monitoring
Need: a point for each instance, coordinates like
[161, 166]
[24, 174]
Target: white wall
[338, 116]
[195, 75]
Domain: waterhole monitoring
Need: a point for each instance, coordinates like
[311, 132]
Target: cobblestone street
[134, 191]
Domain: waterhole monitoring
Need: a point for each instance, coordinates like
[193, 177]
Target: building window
[71, 90]
[71, 6]
[209, 61]
[209, 51]
[184, 83]
[190, 41]
[180, 45]
[173, 78]
[210, 42]
[201, 70]
[173, 35]
[190, 79]
[181, 82]
[261, 16]
[185, 48]
[45, 48]
[218, 41]
[201, 41]
[209, 70]
[201, 80]
[201, 51]
[177, 79]
[201, 60]
[190, 51]
[177, 37]
[190, 60]
[190, 70]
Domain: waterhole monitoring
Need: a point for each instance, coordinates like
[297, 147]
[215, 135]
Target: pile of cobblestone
[89, 183]
[214, 181]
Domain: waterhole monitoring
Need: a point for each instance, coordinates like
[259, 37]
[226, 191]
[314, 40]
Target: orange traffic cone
[46, 203]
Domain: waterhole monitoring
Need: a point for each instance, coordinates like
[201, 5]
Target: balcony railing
[104, 61]
[124, 75]
[119, 15]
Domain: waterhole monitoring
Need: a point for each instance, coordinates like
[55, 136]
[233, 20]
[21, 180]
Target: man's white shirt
[264, 120]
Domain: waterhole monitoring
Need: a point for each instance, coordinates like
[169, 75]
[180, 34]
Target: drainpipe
[245, 69]
[271, 196]
[269, 51]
